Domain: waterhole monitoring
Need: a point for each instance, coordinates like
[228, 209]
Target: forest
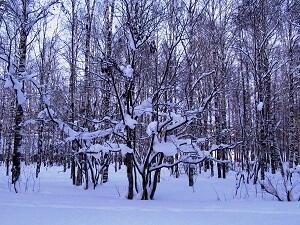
[146, 88]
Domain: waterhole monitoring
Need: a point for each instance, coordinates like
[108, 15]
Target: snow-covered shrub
[285, 187]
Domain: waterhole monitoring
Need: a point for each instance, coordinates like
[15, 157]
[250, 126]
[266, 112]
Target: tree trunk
[16, 167]
[129, 164]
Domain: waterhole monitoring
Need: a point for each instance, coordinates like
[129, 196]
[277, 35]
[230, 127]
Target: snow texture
[125, 149]
[95, 149]
[151, 128]
[44, 114]
[46, 100]
[11, 82]
[128, 71]
[131, 43]
[52, 200]
[129, 121]
[260, 106]
[168, 148]
[201, 140]
[144, 107]
[8, 83]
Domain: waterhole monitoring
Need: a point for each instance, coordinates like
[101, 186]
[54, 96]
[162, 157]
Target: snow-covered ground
[52, 200]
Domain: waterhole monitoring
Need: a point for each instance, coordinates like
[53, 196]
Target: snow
[46, 100]
[21, 97]
[176, 117]
[260, 106]
[168, 148]
[201, 140]
[144, 107]
[128, 71]
[131, 43]
[68, 131]
[8, 83]
[187, 149]
[28, 76]
[93, 135]
[297, 169]
[151, 128]
[29, 122]
[84, 135]
[45, 113]
[280, 186]
[119, 128]
[217, 147]
[52, 200]
[97, 148]
[125, 149]
[11, 82]
[109, 146]
[129, 121]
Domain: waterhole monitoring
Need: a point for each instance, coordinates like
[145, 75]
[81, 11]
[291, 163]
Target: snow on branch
[39, 14]
[14, 83]
[97, 149]
[200, 78]
[129, 121]
[82, 135]
[144, 107]
[285, 187]
[48, 113]
[188, 153]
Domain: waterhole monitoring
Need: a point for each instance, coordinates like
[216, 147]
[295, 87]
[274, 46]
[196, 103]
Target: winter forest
[194, 104]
